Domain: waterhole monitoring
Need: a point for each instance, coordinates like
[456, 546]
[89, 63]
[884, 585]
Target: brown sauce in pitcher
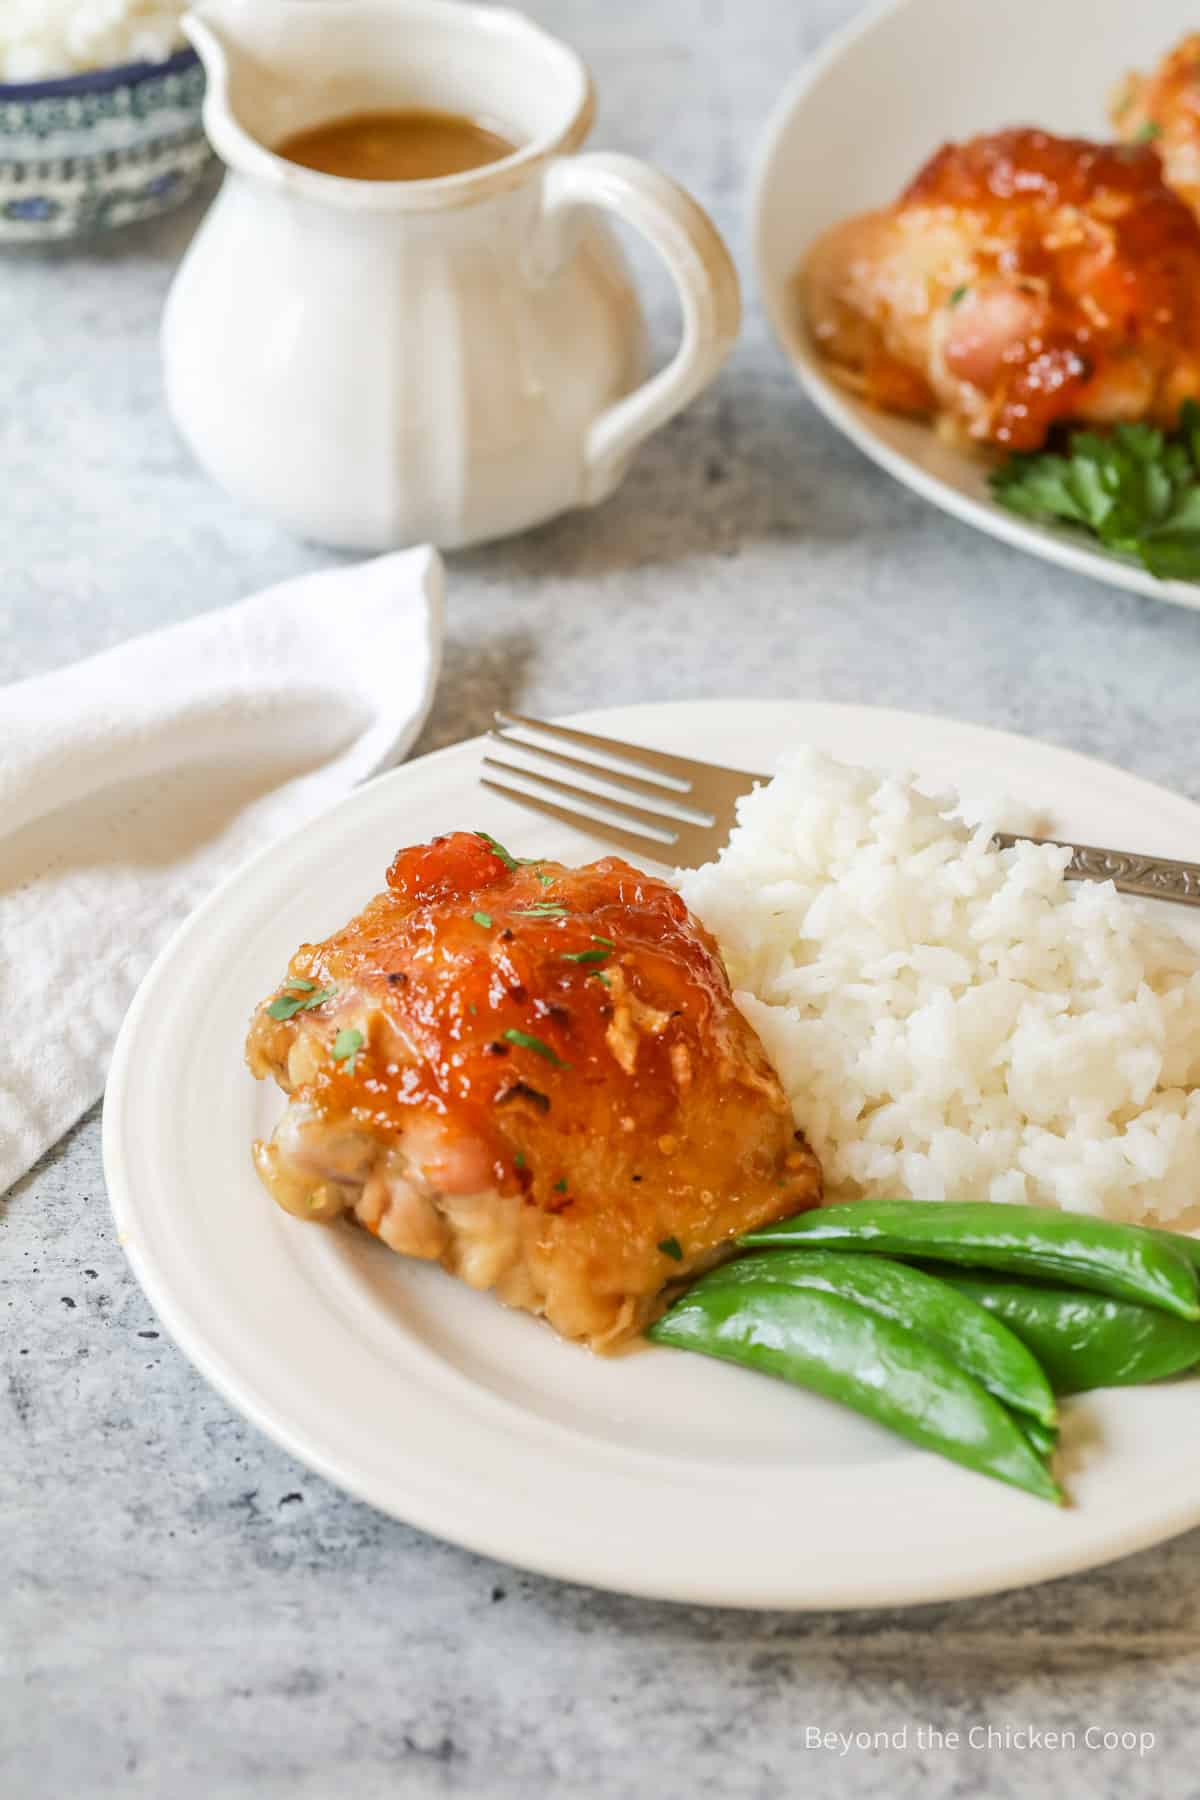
[409, 145]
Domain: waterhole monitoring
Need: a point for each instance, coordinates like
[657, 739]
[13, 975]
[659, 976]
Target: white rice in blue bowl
[99, 116]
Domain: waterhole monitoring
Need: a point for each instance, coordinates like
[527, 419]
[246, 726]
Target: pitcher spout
[259, 58]
[223, 32]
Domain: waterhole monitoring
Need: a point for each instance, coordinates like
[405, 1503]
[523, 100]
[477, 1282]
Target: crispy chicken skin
[533, 1075]
[1163, 111]
[1020, 281]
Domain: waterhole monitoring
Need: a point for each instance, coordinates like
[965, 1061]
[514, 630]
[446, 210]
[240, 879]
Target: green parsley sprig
[1137, 490]
[497, 849]
[299, 995]
[346, 1046]
[527, 1041]
[513, 862]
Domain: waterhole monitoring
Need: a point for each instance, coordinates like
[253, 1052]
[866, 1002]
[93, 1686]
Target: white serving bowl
[858, 121]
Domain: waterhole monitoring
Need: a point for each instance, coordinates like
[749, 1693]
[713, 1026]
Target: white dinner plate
[655, 1472]
[856, 124]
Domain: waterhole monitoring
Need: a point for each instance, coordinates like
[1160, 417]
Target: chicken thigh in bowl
[1020, 282]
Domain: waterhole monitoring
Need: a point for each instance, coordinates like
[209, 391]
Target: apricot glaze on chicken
[1163, 111]
[533, 1075]
[1021, 280]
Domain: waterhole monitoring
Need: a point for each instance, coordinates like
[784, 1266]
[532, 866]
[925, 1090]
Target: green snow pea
[833, 1346]
[1044, 1438]
[1184, 1244]
[954, 1323]
[1129, 1262]
[1087, 1340]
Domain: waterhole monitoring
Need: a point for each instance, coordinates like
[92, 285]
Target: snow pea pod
[952, 1321]
[1184, 1244]
[1129, 1262]
[836, 1348]
[1087, 1340]
[1044, 1438]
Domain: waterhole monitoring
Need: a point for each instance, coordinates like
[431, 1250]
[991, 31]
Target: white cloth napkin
[130, 783]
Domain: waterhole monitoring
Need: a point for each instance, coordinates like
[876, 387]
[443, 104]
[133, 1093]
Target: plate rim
[1056, 1559]
[835, 406]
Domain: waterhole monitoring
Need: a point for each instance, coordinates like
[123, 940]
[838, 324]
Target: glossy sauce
[513, 990]
[455, 985]
[533, 1074]
[407, 145]
[1107, 254]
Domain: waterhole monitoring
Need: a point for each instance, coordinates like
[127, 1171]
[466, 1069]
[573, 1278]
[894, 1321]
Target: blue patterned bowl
[88, 152]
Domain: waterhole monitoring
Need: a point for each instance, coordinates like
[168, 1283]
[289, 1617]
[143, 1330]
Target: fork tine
[633, 784]
[676, 768]
[655, 848]
[635, 815]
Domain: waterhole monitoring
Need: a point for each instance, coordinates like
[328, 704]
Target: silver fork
[694, 807]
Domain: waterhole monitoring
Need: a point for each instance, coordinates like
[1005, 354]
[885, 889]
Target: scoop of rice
[952, 1021]
[43, 38]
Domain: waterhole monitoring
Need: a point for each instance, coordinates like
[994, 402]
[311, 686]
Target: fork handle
[1153, 877]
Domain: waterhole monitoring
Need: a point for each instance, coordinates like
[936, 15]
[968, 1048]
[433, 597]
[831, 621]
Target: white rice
[40, 39]
[951, 1021]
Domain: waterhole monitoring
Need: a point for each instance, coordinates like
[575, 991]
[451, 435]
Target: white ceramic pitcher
[380, 363]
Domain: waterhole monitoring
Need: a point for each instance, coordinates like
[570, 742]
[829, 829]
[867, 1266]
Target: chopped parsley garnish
[519, 1160]
[346, 1046]
[541, 909]
[546, 880]
[560, 1187]
[673, 1248]
[960, 293]
[586, 956]
[1137, 490]
[484, 919]
[286, 1006]
[608, 943]
[527, 1041]
[1147, 132]
[510, 862]
[599, 975]
[300, 984]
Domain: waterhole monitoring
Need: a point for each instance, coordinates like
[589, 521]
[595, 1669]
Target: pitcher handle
[703, 272]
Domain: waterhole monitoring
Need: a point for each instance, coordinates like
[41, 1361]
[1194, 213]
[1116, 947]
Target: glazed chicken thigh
[1021, 280]
[533, 1075]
